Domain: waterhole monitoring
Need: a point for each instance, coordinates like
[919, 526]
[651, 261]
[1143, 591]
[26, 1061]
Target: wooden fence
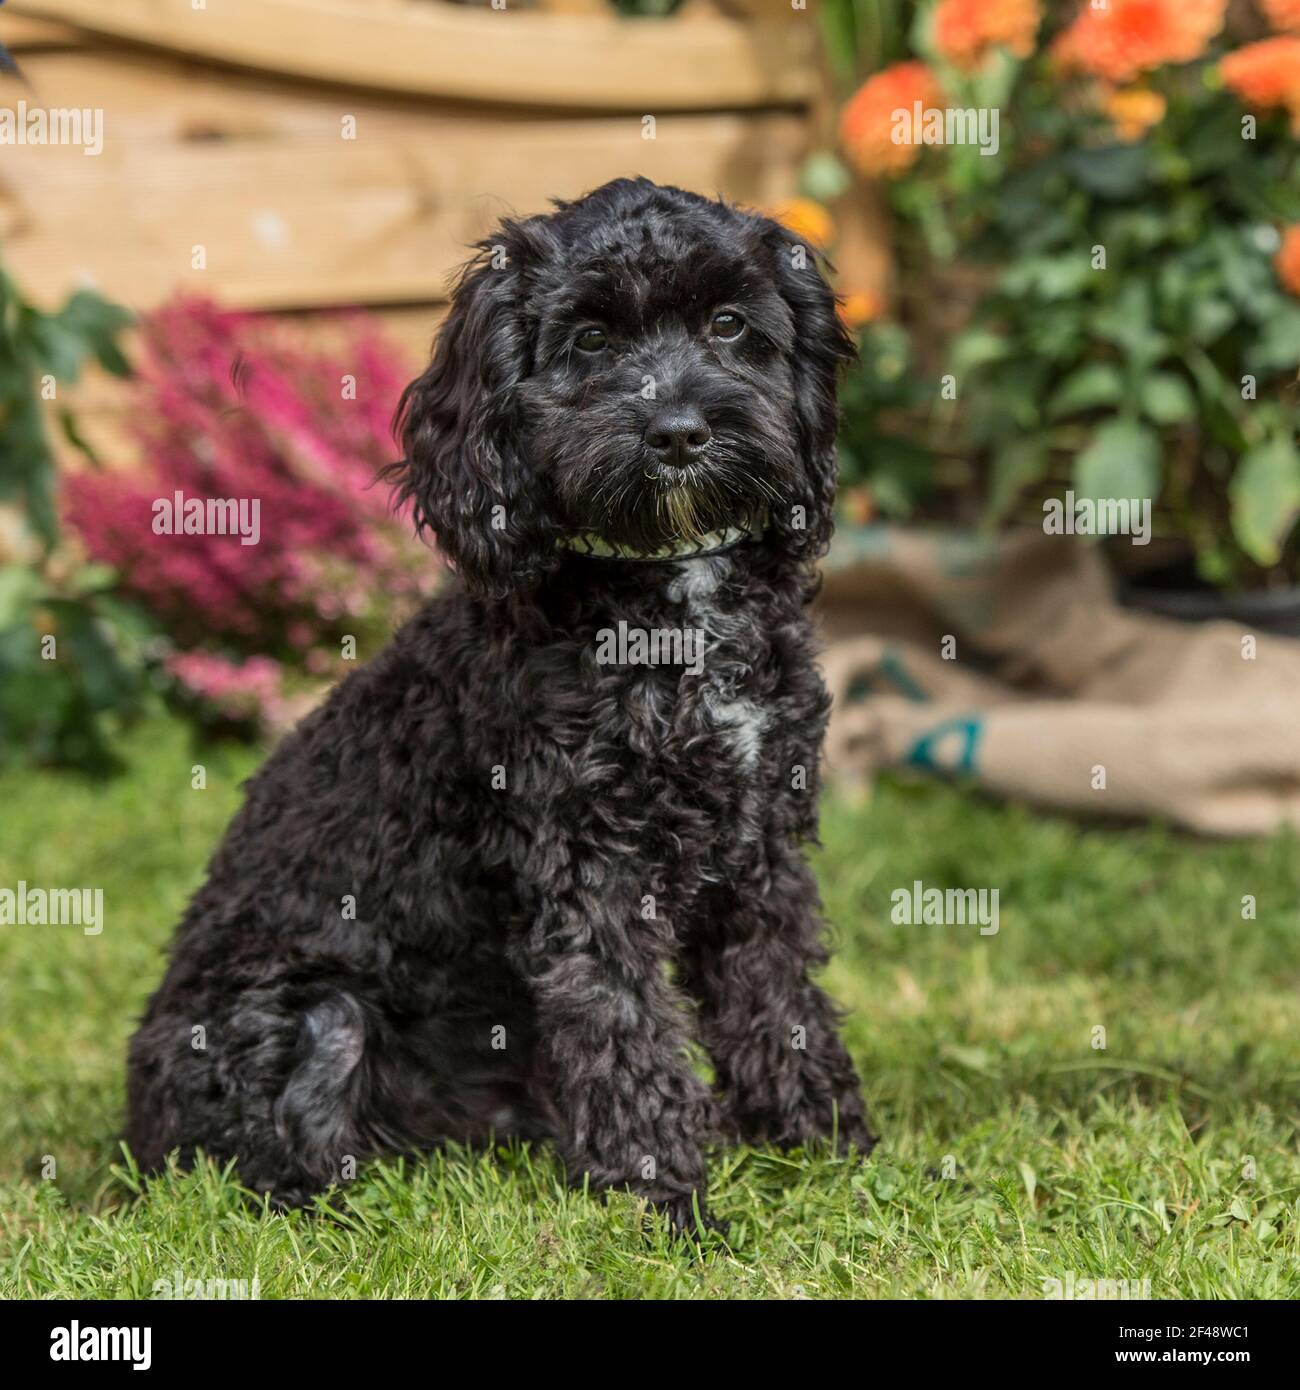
[297, 155]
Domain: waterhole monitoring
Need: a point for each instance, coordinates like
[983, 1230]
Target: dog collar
[593, 544]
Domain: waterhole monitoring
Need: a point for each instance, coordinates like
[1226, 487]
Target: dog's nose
[678, 434]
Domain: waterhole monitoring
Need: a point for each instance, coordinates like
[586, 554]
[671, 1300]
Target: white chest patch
[740, 722]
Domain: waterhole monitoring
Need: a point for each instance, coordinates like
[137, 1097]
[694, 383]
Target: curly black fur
[562, 870]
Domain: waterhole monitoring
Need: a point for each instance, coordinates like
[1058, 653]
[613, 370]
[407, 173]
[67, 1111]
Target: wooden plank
[19, 33]
[289, 214]
[589, 7]
[480, 55]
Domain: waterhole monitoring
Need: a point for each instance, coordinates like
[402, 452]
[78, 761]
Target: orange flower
[807, 220]
[860, 306]
[1282, 14]
[1266, 74]
[867, 123]
[1287, 260]
[965, 30]
[1134, 111]
[1129, 37]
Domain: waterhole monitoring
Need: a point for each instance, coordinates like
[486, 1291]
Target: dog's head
[645, 364]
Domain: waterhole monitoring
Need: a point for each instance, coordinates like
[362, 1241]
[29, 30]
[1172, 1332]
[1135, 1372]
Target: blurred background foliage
[102, 614]
[1114, 295]
[1111, 305]
[70, 649]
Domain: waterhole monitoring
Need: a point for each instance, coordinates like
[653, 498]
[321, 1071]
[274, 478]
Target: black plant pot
[1176, 591]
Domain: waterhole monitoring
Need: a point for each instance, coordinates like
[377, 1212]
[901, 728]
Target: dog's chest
[702, 706]
[677, 725]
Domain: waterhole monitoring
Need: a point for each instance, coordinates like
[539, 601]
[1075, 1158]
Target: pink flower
[248, 692]
[227, 410]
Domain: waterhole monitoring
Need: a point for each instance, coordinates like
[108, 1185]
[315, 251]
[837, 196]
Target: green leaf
[1015, 467]
[59, 349]
[1247, 276]
[1112, 171]
[899, 472]
[93, 315]
[1127, 322]
[73, 435]
[884, 1182]
[19, 590]
[976, 347]
[98, 323]
[112, 358]
[1265, 499]
[1278, 345]
[1167, 399]
[1049, 277]
[106, 681]
[1211, 318]
[1092, 385]
[1123, 460]
[26, 464]
[90, 580]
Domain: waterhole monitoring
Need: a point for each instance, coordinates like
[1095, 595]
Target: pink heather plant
[225, 408]
[250, 693]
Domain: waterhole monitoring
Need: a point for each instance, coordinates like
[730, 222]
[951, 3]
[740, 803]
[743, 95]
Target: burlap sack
[1008, 661]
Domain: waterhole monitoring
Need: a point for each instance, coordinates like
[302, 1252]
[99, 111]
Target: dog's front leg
[783, 1074]
[612, 1039]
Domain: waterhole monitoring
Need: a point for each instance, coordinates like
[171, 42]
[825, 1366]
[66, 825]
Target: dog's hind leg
[302, 1091]
[279, 1086]
[318, 1115]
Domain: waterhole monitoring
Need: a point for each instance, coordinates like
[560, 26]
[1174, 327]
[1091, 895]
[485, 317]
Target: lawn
[1015, 1150]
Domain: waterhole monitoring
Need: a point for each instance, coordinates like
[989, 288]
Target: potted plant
[1126, 224]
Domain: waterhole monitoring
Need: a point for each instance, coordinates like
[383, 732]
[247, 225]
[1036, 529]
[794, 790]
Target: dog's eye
[591, 340]
[728, 327]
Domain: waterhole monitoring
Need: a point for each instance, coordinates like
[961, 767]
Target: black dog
[476, 892]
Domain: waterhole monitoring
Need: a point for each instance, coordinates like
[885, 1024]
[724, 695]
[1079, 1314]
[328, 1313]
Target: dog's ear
[820, 349]
[463, 469]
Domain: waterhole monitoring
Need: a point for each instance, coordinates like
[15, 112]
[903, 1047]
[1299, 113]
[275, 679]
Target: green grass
[1014, 1150]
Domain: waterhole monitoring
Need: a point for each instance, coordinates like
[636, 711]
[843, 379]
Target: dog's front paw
[857, 1137]
[846, 1129]
[689, 1219]
[842, 1127]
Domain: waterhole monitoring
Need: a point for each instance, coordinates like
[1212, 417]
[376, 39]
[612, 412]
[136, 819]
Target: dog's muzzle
[592, 543]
